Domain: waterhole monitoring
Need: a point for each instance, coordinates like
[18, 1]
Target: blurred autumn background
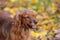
[48, 18]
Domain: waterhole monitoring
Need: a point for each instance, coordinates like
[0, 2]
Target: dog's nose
[35, 21]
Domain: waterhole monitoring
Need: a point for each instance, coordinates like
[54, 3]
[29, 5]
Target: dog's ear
[17, 19]
[17, 23]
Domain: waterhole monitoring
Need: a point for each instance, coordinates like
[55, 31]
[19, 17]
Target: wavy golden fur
[24, 23]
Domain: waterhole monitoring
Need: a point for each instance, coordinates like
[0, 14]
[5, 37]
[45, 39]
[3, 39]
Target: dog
[24, 22]
[19, 27]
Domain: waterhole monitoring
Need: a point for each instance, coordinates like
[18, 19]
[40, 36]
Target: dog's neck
[26, 34]
[21, 34]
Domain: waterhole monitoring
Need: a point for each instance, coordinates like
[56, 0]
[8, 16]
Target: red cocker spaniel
[24, 21]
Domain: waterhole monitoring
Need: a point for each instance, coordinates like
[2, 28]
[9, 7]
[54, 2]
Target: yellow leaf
[34, 1]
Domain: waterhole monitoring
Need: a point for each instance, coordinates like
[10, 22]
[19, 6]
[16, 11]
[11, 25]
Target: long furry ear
[17, 23]
[18, 19]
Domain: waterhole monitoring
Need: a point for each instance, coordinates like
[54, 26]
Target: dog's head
[26, 19]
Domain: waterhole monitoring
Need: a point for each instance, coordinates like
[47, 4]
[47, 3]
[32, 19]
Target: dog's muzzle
[33, 25]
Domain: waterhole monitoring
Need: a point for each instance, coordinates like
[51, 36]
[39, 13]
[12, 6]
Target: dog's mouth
[33, 25]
